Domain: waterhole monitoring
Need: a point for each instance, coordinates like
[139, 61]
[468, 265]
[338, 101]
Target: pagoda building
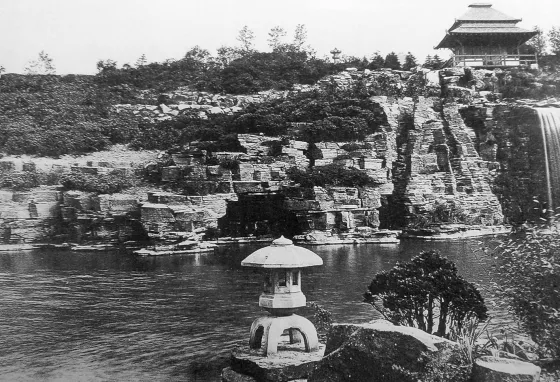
[487, 38]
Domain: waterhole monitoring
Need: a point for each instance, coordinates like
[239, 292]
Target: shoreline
[388, 238]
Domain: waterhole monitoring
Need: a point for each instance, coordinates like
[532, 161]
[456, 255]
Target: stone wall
[510, 135]
[444, 180]
[29, 216]
[430, 169]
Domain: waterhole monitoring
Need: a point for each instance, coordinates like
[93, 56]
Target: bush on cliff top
[427, 293]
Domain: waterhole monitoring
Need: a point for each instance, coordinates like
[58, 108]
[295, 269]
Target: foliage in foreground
[427, 293]
[529, 271]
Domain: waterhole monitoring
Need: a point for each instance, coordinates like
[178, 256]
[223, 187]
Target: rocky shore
[446, 163]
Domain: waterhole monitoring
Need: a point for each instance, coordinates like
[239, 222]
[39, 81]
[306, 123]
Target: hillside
[342, 159]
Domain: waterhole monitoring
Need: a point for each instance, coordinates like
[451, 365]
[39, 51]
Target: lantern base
[266, 332]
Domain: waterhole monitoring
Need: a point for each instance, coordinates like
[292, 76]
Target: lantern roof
[282, 253]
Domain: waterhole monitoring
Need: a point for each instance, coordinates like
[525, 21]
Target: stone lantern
[335, 55]
[282, 296]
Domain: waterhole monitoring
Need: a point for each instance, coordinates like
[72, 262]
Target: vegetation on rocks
[332, 175]
[427, 293]
[528, 267]
[110, 183]
[26, 180]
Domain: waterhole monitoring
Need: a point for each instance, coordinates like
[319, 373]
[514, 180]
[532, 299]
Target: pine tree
[538, 42]
[392, 61]
[377, 62]
[300, 37]
[438, 62]
[275, 37]
[141, 61]
[247, 39]
[409, 62]
[43, 65]
[554, 39]
[428, 62]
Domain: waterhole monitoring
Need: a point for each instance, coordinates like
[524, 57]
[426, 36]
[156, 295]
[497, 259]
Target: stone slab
[291, 362]
[490, 369]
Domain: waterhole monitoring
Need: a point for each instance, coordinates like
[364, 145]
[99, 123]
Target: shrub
[353, 146]
[529, 272]
[332, 175]
[230, 164]
[427, 293]
[322, 319]
[104, 184]
[28, 179]
[20, 138]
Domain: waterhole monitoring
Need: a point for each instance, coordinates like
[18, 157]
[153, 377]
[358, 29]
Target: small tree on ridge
[409, 62]
[554, 39]
[392, 61]
[43, 65]
[538, 42]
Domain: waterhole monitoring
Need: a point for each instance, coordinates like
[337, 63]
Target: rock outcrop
[439, 164]
[492, 369]
[380, 351]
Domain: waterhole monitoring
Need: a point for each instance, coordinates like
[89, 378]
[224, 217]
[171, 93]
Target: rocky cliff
[443, 158]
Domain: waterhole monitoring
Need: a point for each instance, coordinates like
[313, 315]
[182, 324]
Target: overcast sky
[78, 33]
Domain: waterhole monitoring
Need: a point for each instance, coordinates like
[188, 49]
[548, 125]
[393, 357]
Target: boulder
[289, 364]
[462, 94]
[454, 71]
[229, 375]
[164, 108]
[216, 110]
[494, 369]
[381, 351]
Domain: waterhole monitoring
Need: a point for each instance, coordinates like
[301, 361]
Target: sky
[76, 34]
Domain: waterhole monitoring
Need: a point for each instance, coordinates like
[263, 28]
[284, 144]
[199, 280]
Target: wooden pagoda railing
[494, 60]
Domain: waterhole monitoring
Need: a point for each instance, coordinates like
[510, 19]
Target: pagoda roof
[489, 28]
[485, 12]
[483, 20]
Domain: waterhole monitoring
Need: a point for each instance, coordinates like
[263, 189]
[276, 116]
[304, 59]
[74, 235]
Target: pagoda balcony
[494, 60]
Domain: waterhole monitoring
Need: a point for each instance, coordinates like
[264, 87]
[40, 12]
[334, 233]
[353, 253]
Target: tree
[247, 39]
[392, 61]
[43, 65]
[428, 62]
[141, 61]
[554, 39]
[538, 42]
[276, 35]
[377, 62]
[528, 270]
[106, 66]
[227, 54]
[427, 293]
[437, 62]
[409, 62]
[300, 37]
[198, 54]
[2, 69]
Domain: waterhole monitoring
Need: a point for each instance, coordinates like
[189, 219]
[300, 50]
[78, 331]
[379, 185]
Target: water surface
[108, 316]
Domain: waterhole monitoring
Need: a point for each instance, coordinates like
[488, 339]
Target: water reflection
[108, 316]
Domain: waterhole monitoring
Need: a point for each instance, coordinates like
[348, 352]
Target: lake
[104, 316]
